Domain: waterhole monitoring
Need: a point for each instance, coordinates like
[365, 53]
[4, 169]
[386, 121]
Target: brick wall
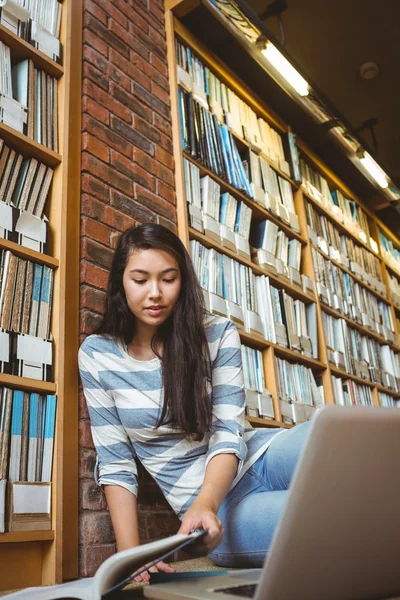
[127, 179]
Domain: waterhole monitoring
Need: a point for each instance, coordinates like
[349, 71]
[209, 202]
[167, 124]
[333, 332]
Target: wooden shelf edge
[22, 49]
[23, 383]
[271, 423]
[29, 254]
[276, 280]
[26, 536]
[27, 147]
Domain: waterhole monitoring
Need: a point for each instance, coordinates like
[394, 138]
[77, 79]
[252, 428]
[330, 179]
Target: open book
[113, 574]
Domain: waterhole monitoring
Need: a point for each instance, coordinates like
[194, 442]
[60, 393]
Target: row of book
[195, 77]
[233, 290]
[36, 21]
[341, 248]
[300, 391]
[281, 250]
[394, 286]
[27, 427]
[218, 214]
[26, 295]
[388, 401]
[24, 182]
[258, 398]
[346, 211]
[29, 100]
[339, 290]
[359, 354]
[211, 143]
[390, 252]
[347, 392]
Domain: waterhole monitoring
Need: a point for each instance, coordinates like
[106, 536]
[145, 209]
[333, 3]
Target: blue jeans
[251, 510]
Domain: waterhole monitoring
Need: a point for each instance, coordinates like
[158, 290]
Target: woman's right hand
[159, 567]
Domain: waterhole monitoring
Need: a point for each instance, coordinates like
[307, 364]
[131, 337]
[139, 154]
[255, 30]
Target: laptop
[339, 535]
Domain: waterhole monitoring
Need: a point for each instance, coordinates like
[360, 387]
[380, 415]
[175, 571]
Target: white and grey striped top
[125, 396]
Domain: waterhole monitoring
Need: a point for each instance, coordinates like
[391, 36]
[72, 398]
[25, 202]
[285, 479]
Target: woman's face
[152, 283]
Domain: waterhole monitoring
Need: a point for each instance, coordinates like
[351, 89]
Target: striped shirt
[125, 396]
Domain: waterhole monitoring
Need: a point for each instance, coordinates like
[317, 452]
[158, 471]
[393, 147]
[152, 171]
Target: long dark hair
[186, 367]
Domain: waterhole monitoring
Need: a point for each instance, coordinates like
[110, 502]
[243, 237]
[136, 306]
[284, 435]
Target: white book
[115, 572]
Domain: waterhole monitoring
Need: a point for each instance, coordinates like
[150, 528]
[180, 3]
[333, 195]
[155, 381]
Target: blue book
[33, 436]
[223, 208]
[230, 164]
[48, 440]
[37, 284]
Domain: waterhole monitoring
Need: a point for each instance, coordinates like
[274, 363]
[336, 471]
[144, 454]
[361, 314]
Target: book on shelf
[27, 425]
[115, 572]
[349, 393]
[258, 398]
[300, 391]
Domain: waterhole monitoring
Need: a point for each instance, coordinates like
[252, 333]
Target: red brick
[160, 65]
[167, 192]
[98, 189]
[105, 34]
[115, 235]
[153, 166]
[95, 230]
[131, 102]
[95, 110]
[92, 496]
[128, 38]
[156, 76]
[96, 528]
[85, 436]
[164, 157]
[104, 98]
[156, 11]
[94, 41]
[83, 409]
[96, 11]
[132, 135]
[94, 275]
[131, 14]
[106, 173]
[92, 299]
[90, 72]
[142, 10]
[119, 220]
[113, 139]
[147, 42]
[154, 203]
[95, 58]
[167, 223]
[134, 210]
[162, 124]
[126, 167]
[91, 557]
[158, 38]
[119, 77]
[130, 69]
[89, 322]
[96, 252]
[166, 143]
[160, 93]
[116, 14]
[95, 147]
[87, 461]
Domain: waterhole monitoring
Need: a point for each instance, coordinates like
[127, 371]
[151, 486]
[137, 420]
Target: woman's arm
[220, 473]
[122, 505]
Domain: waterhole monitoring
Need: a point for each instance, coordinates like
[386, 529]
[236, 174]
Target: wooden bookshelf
[22, 49]
[258, 422]
[29, 254]
[47, 557]
[176, 30]
[29, 148]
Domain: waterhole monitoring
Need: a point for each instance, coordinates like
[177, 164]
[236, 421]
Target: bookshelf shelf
[26, 536]
[29, 254]
[280, 282]
[259, 213]
[273, 370]
[353, 275]
[363, 330]
[29, 385]
[21, 49]
[52, 557]
[293, 356]
[267, 422]
[338, 224]
[29, 148]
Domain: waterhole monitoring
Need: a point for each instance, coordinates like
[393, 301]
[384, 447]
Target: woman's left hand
[198, 516]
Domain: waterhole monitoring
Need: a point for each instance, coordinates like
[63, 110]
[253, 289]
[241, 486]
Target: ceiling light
[374, 169]
[284, 67]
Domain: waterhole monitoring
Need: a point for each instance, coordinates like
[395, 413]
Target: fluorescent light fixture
[374, 169]
[284, 67]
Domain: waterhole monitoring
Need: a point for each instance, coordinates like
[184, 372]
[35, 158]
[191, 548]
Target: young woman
[163, 382]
